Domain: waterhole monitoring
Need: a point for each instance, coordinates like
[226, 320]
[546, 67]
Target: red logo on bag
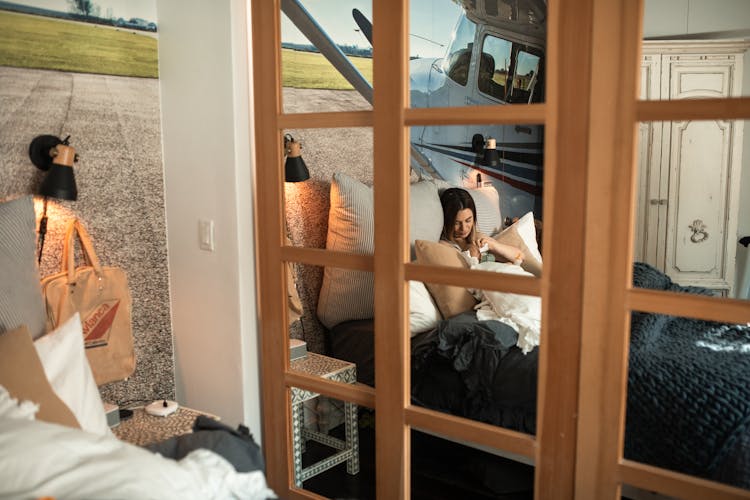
[98, 323]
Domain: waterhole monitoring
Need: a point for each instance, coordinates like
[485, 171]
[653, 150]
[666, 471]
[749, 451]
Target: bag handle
[68, 254]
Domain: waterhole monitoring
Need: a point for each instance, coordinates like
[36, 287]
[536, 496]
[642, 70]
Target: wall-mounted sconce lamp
[295, 169]
[56, 157]
[486, 150]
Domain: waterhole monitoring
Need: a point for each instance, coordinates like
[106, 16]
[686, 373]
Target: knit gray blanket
[688, 406]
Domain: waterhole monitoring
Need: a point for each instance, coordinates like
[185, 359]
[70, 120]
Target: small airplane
[495, 56]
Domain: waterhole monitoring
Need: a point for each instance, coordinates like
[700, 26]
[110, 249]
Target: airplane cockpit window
[493, 66]
[459, 54]
[525, 79]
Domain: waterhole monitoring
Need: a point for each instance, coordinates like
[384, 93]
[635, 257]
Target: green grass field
[44, 43]
[309, 70]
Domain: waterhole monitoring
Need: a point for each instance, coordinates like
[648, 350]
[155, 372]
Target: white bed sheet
[39, 459]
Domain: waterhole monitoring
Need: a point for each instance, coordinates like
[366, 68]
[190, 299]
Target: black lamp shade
[60, 183]
[491, 156]
[56, 157]
[295, 169]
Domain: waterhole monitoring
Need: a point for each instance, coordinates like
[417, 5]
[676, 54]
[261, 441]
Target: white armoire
[689, 171]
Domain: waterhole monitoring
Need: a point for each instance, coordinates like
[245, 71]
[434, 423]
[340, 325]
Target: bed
[688, 406]
[54, 436]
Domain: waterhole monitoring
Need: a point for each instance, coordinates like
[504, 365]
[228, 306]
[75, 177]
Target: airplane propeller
[364, 24]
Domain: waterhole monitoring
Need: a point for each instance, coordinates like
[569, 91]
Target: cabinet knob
[656, 201]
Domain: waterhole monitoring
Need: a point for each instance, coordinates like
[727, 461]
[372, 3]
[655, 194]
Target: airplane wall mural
[495, 57]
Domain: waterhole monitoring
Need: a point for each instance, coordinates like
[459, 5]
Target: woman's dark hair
[454, 200]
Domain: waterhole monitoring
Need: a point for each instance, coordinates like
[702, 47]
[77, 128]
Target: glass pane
[344, 153]
[479, 364]
[326, 56]
[494, 65]
[694, 50]
[443, 469]
[692, 223]
[476, 203]
[333, 441]
[464, 53]
[688, 399]
[458, 57]
[506, 157]
[333, 314]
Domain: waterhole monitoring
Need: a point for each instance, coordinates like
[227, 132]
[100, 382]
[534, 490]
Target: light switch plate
[206, 234]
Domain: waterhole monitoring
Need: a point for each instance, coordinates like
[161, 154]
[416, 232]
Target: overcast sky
[431, 19]
[145, 9]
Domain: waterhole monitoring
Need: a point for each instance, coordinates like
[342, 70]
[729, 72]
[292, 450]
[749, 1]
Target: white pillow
[527, 231]
[522, 312]
[423, 313]
[347, 295]
[64, 360]
[425, 213]
[522, 235]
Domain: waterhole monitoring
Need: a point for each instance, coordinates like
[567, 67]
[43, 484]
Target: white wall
[709, 19]
[205, 106]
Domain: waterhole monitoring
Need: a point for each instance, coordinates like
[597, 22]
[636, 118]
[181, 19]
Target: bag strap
[68, 254]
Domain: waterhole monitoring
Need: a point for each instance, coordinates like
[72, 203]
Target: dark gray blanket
[237, 446]
[688, 405]
[473, 369]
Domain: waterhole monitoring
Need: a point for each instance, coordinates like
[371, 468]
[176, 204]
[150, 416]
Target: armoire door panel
[646, 240]
[697, 208]
[649, 165]
[688, 79]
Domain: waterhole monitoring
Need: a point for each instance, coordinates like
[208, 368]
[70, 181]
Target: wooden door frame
[590, 118]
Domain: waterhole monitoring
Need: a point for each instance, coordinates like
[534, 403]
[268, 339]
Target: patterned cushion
[21, 300]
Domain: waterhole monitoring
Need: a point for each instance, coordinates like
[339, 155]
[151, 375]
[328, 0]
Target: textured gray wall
[114, 127]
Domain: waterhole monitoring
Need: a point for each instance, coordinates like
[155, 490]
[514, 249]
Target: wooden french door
[590, 117]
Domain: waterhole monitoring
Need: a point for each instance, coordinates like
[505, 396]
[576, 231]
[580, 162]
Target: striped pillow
[21, 301]
[347, 295]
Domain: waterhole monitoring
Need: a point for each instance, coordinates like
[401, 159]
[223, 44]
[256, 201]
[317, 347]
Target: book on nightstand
[297, 349]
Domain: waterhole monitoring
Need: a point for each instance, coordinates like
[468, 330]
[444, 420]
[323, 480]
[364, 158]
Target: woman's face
[463, 224]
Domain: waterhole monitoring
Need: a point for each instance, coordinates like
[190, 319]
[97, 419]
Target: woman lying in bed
[460, 232]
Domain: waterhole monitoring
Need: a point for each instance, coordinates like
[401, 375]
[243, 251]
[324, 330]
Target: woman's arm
[501, 251]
